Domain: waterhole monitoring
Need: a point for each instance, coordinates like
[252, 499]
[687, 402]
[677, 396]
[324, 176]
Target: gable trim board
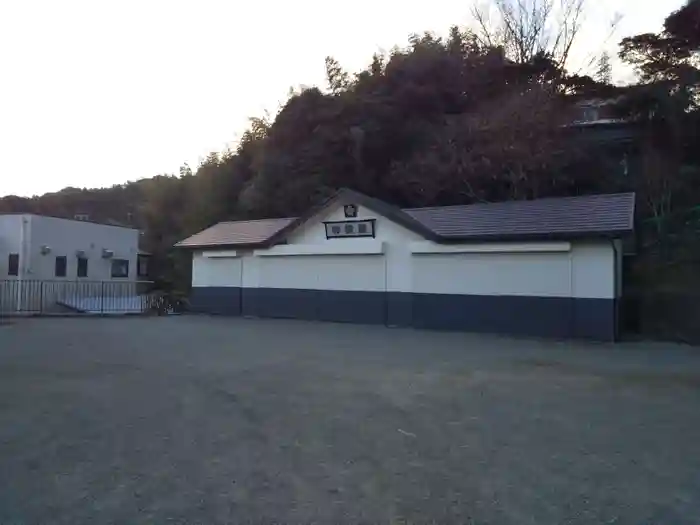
[563, 288]
[361, 247]
[221, 254]
[427, 248]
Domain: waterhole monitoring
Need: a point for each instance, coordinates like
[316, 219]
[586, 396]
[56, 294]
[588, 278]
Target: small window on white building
[82, 267]
[60, 266]
[120, 268]
[142, 266]
[13, 264]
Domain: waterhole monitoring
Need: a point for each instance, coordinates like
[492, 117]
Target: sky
[95, 92]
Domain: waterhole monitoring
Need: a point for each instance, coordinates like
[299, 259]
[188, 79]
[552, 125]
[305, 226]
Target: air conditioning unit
[107, 254]
[45, 249]
[80, 254]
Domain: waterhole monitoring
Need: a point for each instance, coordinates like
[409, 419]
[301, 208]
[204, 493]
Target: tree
[684, 25]
[510, 148]
[604, 69]
[670, 55]
[337, 78]
[665, 104]
[526, 29]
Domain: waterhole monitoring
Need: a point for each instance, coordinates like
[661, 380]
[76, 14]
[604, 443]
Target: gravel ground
[214, 420]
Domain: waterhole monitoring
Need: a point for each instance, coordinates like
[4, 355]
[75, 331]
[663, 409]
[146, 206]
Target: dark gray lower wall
[595, 319]
[508, 314]
[221, 300]
[558, 317]
[320, 305]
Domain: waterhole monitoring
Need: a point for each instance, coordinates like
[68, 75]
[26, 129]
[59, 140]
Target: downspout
[387, 303]
[241, 289]
[23, 239]
[573, 329]
[616, 282]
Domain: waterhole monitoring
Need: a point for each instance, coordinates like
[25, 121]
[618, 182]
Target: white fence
[88, 297]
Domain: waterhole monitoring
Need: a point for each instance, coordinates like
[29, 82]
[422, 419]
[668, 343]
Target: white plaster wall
[10, 232]
[324, 272]
[586, 271]
[65, 237]
[535, 274]
[555, 269]
[319, 272]
[251, 270]
[219, 271]
[396, 239]
[594, 270]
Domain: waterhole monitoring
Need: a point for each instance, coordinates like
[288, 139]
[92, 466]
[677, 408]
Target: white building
[550, 267]
[37, 249]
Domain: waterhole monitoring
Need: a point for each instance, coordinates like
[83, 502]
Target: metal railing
[30, 296]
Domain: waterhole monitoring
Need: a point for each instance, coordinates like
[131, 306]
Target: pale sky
[95, 93]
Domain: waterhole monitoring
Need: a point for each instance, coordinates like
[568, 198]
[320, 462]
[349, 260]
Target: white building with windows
[50, 250]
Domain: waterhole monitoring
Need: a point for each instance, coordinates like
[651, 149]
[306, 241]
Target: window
[13, 264]
[120, 268]
[142, 266]
[82, 267]
[60, 266]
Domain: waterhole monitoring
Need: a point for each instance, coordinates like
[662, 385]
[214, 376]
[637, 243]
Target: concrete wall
[557, 289]
[65, 237]
[10, 234]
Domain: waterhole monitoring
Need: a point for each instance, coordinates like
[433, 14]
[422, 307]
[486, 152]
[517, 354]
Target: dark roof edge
[558, 236]
[205, 247]
[88, 221]
[576, 236]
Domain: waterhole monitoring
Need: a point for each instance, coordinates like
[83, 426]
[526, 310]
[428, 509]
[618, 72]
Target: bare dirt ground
[214, 420]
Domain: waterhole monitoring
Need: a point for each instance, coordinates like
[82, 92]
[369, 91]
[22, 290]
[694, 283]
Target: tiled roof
[234, 233]
[566, 216]
[562, 218]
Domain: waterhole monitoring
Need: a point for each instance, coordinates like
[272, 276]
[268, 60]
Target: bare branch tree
[527, 28]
